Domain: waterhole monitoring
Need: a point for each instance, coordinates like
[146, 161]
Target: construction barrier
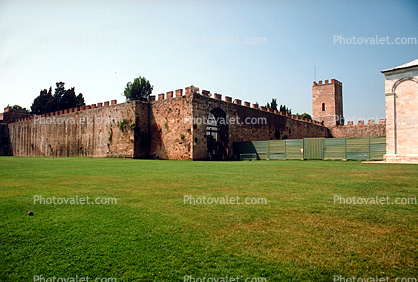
[361, 149]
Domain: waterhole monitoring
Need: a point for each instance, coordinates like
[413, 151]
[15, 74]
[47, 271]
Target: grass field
[152, 235]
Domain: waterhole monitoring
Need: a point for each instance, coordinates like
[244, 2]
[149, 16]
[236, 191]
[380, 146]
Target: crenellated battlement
[369, 122]
[361, 129]
[71, 110]
[217, 96]
[190, 90]
[332, 81]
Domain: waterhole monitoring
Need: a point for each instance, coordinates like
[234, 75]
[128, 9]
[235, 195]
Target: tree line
[61, 99]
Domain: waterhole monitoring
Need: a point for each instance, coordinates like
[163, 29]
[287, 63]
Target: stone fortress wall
[83, 131]
[174, 126]
[167, 127]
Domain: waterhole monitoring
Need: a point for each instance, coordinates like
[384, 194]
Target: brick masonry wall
[276, 126]
[171, 136]
[96, 134]
[366, 130]
[164, 127]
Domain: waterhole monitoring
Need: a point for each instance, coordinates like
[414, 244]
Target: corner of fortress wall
[360, 129]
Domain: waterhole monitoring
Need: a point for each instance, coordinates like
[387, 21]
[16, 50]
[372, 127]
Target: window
[323, 107]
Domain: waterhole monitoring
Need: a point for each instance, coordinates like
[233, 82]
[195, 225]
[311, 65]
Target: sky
[250, 50]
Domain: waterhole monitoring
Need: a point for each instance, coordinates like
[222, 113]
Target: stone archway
[217, 132]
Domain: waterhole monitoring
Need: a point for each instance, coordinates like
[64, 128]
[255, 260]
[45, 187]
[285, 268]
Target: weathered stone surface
[327, 103]
[365, 130]
[247, 124]
[171, 135]
[93, 132]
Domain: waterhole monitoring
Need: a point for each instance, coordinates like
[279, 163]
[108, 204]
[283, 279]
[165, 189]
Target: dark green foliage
[44, 103]
[61, 100]
[284, 109]
[304, 115]
[140, 89]
[272, 105]
[126, 124]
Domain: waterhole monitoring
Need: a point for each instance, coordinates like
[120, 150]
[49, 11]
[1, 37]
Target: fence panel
[334, 149]
[293, 149]
[262, 149]
[277, 149]
[377, 148]
[313, 148]
[358, 148]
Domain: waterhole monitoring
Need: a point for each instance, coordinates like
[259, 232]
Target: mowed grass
[152, 235]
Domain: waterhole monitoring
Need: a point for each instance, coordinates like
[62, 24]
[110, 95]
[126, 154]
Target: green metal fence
[377, 148]
[362, 148]
[277, 149]
[294, 149]
[334, 148]
[313, 148]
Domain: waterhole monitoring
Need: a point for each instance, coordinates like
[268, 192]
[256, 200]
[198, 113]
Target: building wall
[329, 94]
[401, 93]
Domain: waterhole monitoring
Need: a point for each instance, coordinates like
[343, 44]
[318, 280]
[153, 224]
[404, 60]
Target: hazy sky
[271, 51]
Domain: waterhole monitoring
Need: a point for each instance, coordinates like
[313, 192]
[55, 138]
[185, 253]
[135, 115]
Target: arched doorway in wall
[217, 135]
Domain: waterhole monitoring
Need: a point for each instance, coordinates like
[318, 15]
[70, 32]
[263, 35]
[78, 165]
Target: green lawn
[151, 235]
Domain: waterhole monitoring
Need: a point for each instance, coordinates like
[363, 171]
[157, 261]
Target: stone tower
[327, 102]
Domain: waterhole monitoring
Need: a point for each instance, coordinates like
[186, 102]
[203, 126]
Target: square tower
[327, 102]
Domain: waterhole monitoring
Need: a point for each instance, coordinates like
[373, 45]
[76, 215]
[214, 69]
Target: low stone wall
[360, 130]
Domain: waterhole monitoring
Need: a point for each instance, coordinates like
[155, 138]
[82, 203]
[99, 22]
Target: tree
[272, 105]
[61, 100]
[44, 103]
[59, 92]
[304, 115]
[80, 100]
[140, 89]
[285, 110]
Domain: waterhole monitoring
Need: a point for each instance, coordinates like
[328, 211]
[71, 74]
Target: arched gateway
[217, 135]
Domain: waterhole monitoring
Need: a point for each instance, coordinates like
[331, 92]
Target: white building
[401, 91]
